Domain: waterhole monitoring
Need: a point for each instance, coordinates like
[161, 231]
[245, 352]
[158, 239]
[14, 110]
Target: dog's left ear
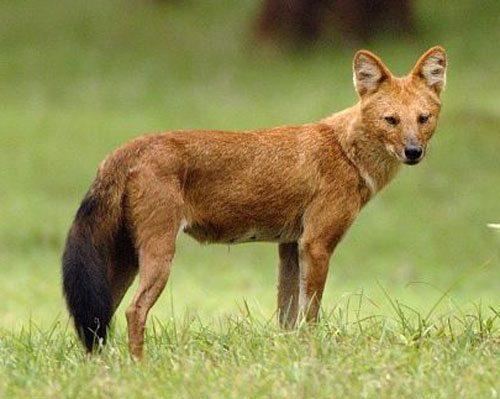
[431, 68]
[369, 72]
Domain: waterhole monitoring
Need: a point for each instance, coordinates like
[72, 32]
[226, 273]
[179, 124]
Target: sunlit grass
[400, 354]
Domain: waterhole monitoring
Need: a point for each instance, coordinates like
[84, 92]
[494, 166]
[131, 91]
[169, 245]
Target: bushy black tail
[85, 282]
[89, 252]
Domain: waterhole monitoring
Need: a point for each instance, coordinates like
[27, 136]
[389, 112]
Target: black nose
[413, 153]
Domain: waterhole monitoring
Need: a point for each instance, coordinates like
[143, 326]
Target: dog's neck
[374, 164]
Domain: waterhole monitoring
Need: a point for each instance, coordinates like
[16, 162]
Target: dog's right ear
[431, 68]
[369, 72]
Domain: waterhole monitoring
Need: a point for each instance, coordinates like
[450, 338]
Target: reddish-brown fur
[298, 186]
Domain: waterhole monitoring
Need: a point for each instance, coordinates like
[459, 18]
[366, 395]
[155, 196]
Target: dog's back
[250, 186]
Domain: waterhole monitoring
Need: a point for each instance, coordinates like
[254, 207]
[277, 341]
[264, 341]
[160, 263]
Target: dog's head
[400, 113]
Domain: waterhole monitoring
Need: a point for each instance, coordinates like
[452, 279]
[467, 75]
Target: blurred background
[78, 78]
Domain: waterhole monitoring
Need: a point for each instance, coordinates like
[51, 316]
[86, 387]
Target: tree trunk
[356, 20]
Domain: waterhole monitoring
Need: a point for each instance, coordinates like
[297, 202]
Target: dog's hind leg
[155, 261]
[157, 218]
[288, 284]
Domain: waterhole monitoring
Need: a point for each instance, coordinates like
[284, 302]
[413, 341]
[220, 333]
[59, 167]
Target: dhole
[298, 186]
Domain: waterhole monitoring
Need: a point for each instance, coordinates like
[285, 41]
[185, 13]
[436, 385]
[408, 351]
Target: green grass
[79, 78]
[245, 357]
[403, 355]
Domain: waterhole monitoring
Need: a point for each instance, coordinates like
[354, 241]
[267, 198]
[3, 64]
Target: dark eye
[391, 120]
[423, 118]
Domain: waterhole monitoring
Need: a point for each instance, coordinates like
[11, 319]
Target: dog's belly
[237, 208]
[209, 232]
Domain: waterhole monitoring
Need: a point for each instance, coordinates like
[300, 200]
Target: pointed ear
[368, 72]
[431, 68]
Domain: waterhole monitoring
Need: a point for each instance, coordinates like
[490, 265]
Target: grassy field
[411, 306]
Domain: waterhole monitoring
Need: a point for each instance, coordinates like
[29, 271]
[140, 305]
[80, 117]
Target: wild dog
[298, 186]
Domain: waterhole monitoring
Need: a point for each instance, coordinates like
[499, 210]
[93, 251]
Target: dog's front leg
[288, 284]
[322, 232]
[314, 257]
